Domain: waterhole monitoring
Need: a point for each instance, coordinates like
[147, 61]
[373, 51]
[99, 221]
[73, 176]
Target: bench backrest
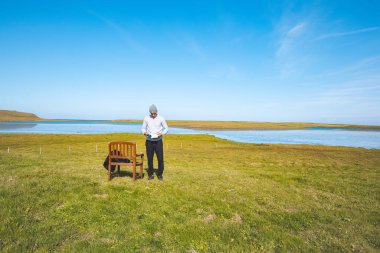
[122, 149]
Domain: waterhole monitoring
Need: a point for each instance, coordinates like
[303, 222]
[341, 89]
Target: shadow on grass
[126, 173]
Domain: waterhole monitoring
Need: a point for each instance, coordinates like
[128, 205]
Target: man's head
[153, 111]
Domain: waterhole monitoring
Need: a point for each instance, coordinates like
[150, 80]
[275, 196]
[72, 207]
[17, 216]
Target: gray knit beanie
[153, 109]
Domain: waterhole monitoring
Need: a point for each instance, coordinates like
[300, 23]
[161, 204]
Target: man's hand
[145, 133]
[159, 134]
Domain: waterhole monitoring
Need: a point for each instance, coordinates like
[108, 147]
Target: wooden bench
[122, 153]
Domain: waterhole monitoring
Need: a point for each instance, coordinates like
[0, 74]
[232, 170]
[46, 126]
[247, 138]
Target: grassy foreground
[217, 196]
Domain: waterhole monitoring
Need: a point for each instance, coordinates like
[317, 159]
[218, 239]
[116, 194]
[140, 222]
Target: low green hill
[6, 115]
[250, 125]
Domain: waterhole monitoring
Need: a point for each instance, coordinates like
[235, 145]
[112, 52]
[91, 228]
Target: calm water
[332, 137]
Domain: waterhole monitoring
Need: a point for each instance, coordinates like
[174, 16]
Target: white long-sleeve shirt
[154, 126]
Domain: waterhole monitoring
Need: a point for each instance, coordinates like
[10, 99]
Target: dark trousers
[151, 148]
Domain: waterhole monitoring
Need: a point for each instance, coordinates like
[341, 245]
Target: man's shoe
[150, 177]
[160, 178]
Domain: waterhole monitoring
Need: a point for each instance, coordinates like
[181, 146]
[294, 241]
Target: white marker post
[40, 150]
[8, 150]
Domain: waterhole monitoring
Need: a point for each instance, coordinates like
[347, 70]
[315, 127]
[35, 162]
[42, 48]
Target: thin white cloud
[289, 38]
[340, 34]
[363, 64]
[242, 38]
[229, 71]
[296, 30]
[352, 92]
[194, 47]
[288, 57]
[131, 42]
[356, 68]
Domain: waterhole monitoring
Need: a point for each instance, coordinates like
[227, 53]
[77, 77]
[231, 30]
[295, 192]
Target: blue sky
[310, 61]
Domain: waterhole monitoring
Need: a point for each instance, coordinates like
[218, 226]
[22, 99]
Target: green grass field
[217, 196]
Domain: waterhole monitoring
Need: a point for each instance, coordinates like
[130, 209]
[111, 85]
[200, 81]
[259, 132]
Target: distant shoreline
[252, 125]
[15, 116]
[222, 125]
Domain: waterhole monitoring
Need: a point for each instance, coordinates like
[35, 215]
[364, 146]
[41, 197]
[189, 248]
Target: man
[154, 128]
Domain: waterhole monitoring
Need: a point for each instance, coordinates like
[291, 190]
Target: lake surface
[325, 136]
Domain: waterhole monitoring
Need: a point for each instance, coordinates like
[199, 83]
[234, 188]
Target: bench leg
[109, 170]
[134, 172]
[141, 171]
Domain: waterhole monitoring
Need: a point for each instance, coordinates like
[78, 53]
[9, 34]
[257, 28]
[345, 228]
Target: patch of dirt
[101, 196]
[237, 219]
[209, 218]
